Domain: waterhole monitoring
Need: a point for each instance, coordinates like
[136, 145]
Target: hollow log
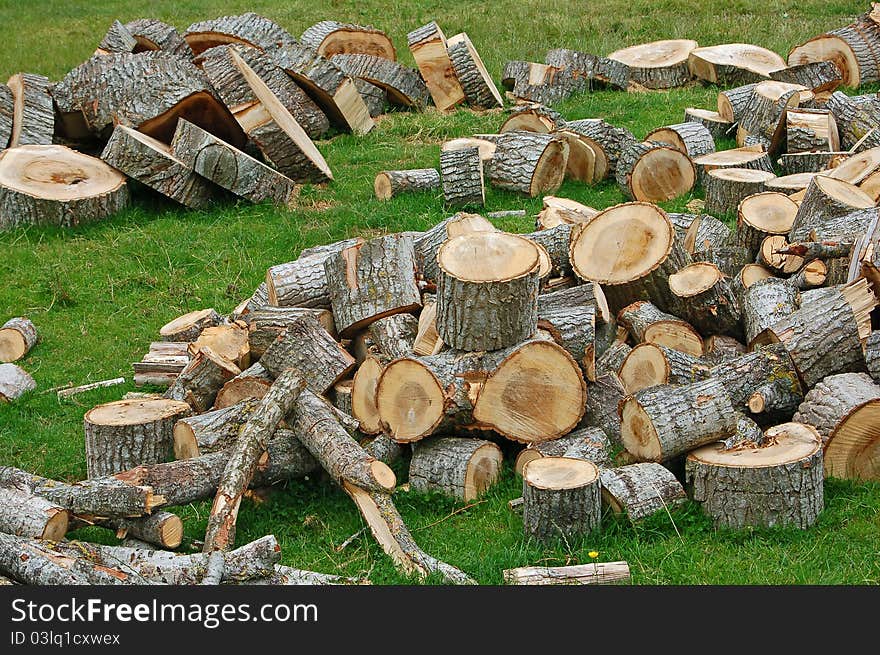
[17, 336]
[428, 47]
[479, 89]
[461, 468]
[462, 175]
[561, 498]
[640, 490]
[654, 172]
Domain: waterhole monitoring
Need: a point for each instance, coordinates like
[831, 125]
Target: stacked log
[851, 48]
[657, 65]
[725, 188]
[457, 467]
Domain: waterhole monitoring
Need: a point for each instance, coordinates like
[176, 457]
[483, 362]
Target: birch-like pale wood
[14, 381]
[577, 574]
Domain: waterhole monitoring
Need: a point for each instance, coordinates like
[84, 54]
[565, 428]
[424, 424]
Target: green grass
[100, 293]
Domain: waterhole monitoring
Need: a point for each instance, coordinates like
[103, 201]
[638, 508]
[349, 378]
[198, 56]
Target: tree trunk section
[647, 324]
[212, 431]
[152, 34]
[479, 89]
[693, 139]
[591, 444]
[640, 490]
[561, 498]
[654, 172]
[725, 188]
[33, 112]
[403, 84]
[578, 574]
[529, 163]
[389, 184]
[330, 37]
[17, 337]
[707, 299]
[612, 140]
[428, 47]
[265, 325]
[26, 515]
[461, 468]
[462, 175]
[201, 379]
[659, 64]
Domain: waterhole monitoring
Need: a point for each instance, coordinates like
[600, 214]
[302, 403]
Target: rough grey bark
[732, 103]
[720, 348]
[302, 282]
[854, 121]
[383, 448]
[7, 111]
[250, 28]
[712, 121]
[724, 194]
[117, 39]
[394, 335]
[478, 87]
[528, 163]
[808, 130]
[462, 175]
[17, 336]
[211, 431]
[578, 574]
[540, 83]
[574, 328]
[267, 323]
[201, 379]
[34, 114]
[751, 372]
[763, 116]
[639, 317]
[532, 117]
[556, 241]
[872, 355]
[613, 140]
[807, 162]
[330, 37]
[285, 575]
[767, 302]
[403, 85]
[26, 515]
[823, 217]
[818, 76]
[693, 138]
[447, 465]
[603, 398]
[641, 490]
[591, 444]
[611, 359]
[389, 184]
[706, 233]
[829, 404]
[162, 529]
[553, 513]
[153, 34]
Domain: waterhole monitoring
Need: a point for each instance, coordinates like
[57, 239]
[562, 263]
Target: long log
[26, 515]
[578, 574]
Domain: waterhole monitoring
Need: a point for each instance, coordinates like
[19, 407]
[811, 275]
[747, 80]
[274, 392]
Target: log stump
[654, 172]
[561, 498]
[14, 381]
[693, 139]
[726, 187]
[389, 184]
[462, 174]
[659, 64]
[529, 163]
[429, 49]
[707, 300]
[475, 80]
[17, 336]
[640, 490]
[460, 468]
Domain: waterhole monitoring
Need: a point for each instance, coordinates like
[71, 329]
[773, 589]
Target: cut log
[591, 444]
[358, 296]
[330, 37]
[583, 66]
[189, 326]
[654, 172]
[706, 233]
[403, 84]
[851, 48]
[428, 47]
[7, 112]
[867, 142]
[648, 324]
[555, 241]
[532, 117]
[611, 140]
[765, 114]
[720, 348]
[529, 163]
[250, 28]
[718, 127]
[693, 139]
[748, 275]
[462, 175]
[762, 215]
[561, 498]
[658, 65]
[33, 112]
[374, 97]
[611, 360]
[640, 490]
[854, 120]
[428, 244]
[14, 381]
[856, 168]
[389, 184]
[582, 156]
[363, 394]
[777, 484]
[211, 431]
[26, 515]
[541, 83]
[228, 341]
[809, 162]
[562, 211]
[308, 347]
[789, 184]
[648, 365]
[394, 335]
[487, 291]
[152, 34]
[53, 185]
[665, 421]
[117, 39]
[753, 157]
[162, 529]
[577, 574]
[164, 362]
[872, 355]
[732, 64]
[603, 397]
[17, 337]
[428, 341]
[150, 162]
[732, 102]
[725, 188]
[302, 283]
[707, 299]
[479, 89]
[461, 468]
[808, 130]
[844, 409]
[574, 328]
[252, 441]
[821, 77]
[530, 392]
[201, 379]
[486, 147]
[813, 274]
[829, 200]
[265, 325]
[769, 255]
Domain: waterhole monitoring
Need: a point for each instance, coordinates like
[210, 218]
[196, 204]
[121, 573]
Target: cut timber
[561, 498]
[648, 324]
[462, 174]
[582, 156]
[693, 139]
[577, 574]
[211, 431]
[428, 341]
[358, 296]
[117, 39]
[870, 140]
[729, 259]
[813, 274]
[845, 410]
[769, 255]
[150, 162]
[540, 83]
[789, 184]
[126, 433]
[707, 299]
[479, 89]
[532, 117]
[809, 130]
[754, 157]
[487, 291]
[486, 148]
[573, 327]
[725, 188]
[610, 140]
[718, 127]
[33, 113]
[330, 37]
[603, 397]
[648, 365]
[229, 341]
[250, 29]
[162, 363]
[302, 283]
[14, 381]
[611, 360]
[152, 34]
[530, 392]
[719, 348]
[17, 337]
[7, 112]
[658, 65]
[457, 467]
[363, 394]
[777, 484]
[732, 102]
[389, 184]
[762, 215]
[640, 490]
[308, 347]
[851, 48]
[631, 250]
[403, 84]
[764, 115]
[809, 162]
[201, 379]
[244, 455]
[374, 98]
[732, 64]
[54, 185]
[665, 421]
[821, 77]
[265, 325]
[826, 199]
[163, 529]
[653, 172]
[394, 335]
[856, 168]
[428, 47]
[528, 163]
[591, 444]
[854, 120]
[189, 326]
[428, 244]
[555, 241]
[563, 211]
[872, 355]
[26, 515]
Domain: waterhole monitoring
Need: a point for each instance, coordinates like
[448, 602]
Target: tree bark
[428, 244]
[578, 574]
[561, 498]
[162, 529]
[212, 431]
[252, 382]
[33, 113]
[462, 468]
[330, 37]
[611, 360]
[640, 490]
[648, 365]
[828, 202]
[590, 443]
[529, 163]
[249, 28]
[7, 112]
[152, 34]
[600, 409]
[462, 175]
[809, 130]
[265, 325]
[767, 302]
[872, 355]
[692, 138]
[718, 127]
[612, 140]
[389, 184]
[807, 162]
[201, 379]
[479, 89]
[403, 84]
[428, 47]
[822, 77]
[732, 103]
[658, 65]
[302, 283]
[654, 172]
[646, 323]
[17, 336]
[394, 335]
[707, 299]
[26, 515]
[725, 188]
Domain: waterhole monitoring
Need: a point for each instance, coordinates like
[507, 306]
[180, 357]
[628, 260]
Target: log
[851, 48]
[763, 215]
[574, 328]
[420, 396]
[610, 140]
[770, 256]
[394, 335]
[640, 490]
[583, 66]
[591, 444]
[541, 83]
[654, 172]
[383, 448]
[125, 433]
[821, 77]
[767, 302]
[662, 422]
[7, 112]
[854, 120]
[693, 139]
[162, 529]
[428, 244]
[603, 397]
[577, 574]
[69, 392]
[561, 498]
[265, 325]
[555, 241]
[732, 64]
[117, 39]
[489, 301]
[843, 409]
[151, 162]
[813, 274]
[17, 336]
[429, 49]
[532, 117]
[707, 300]
[732, 102]
[648, 324]
[164, 362]
[201, 379]
[790, 184]
[808, 130]
[765, 113]
[252, 441]
[26, 515]
[14, 381]
[461, 468]
[725, 188]
[229, 341]
[403, 85]
[774, 485]
[659, 64]
[706, 233]
[558, 211]
[152, 34]
[826, 199]
[753, 157]
[33, 119]
[302, 283]
[358, 296]
[330, 37]
[308, 347]
[872, 355]
[479, 89]
[389, 184]
[53, 185]
[211, 431]
[611, 360]
[867, 142]
[809, 162]
[249, 28]
[648, 365]
[718, 127]
[529, 163]
[428, 341]
[720, 348]
[189, 326]
[462, 175]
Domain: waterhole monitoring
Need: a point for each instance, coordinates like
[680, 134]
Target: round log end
[482, 471]
[171, 531]
[638, 433]
[853, 451]
[383, 474]
[363, 395]
[56, 526]
[488, 257]
[558, 473]
[694, 279]
[644, 366]
[409, 400]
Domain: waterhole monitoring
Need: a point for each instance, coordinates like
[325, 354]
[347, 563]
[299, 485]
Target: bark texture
[457, 467]
[566, 511]
[641, 490]
[34, 113]
[462, 175]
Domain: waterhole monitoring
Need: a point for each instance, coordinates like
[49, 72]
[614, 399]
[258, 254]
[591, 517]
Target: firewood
[748, 275]
[383, 448]
[822, 77]
[532, 117]
[26, 515]
[753, 157]
[789, 184]
[14, 381]
[590, 443]
[706, 298]
[427, 245]
[117, 39]
[640, 490]
[420, 396]
[330, 37]
[164, 362]
[403, 84]
[648, 324]
[250, 28]
[603, 397]
[562, 211]
[611, 360]
[229, 341]
[856, 168]
[691, 138]
[844, 408]
[720, 348]
[732, 64]
[428, 341]
[770, 256]
[658, 65]
[302, 282]
[546, 84]
[867, 142]
[462, 468]
[762, 215]
[829, 200]
[813, 274]
[872, 355]
[374, 97]
[653, 172]
[363, 393]
[732, 102]
[389, 184]
[162, 529]
[334, 91]
[189, 326]
[577, 574]
[211, 431]
[252, 441]
[7, 111]
[808, 130]
[582, 155]
[462, 174]
[479, 89]
[429, 49]
[125, 433]
[527, 162]
[265, 325]
[573, 327]
[394, 335]
[201, 379]
[285, 575]
[854, 121]
[808, 162]
[561, 498]
[486, 147]
[17, 337]
[33, 113]
[487, 302]
[711, 120]
[765, 114]
[648, 365]
[767, 302]
[706, 233]
[556, 242]
[610, 139]
[150, 162]
[152, 34]
[851, 48]
[583, 66]
[725, 188]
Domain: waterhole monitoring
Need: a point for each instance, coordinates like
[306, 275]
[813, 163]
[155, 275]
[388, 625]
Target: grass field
[100, 293]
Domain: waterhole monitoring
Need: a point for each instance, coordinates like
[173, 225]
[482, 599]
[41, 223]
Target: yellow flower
[593, 553]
